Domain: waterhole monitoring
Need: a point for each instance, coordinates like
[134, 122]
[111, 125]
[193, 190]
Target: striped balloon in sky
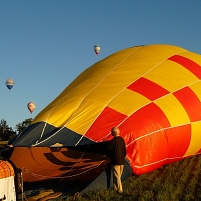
[152, 93]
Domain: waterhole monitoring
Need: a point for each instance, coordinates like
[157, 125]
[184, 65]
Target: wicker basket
[6, 169]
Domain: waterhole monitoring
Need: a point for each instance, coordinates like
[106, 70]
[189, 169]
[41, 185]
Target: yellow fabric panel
[89, 80]
[128, 101]
[195, 143]
[104, 80]
[61, 113]
[173, 110]
[127, 71]
[148, 53]
[196, 87]
[171, 76]
[85, 116]
[60, 110]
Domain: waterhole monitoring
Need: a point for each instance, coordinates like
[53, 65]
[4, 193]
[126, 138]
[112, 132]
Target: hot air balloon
[9, 180]
[152, 93]
[97, 49]
[31, 106]
[9, 83]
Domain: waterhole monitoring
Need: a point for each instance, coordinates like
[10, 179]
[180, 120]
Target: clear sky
[46, 44]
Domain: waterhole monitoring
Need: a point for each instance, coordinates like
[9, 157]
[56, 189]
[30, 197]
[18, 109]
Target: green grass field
[179, 181]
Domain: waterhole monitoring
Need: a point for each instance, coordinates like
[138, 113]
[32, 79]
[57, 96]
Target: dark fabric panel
[99, 148]
[51, 135]
[28, 136]
[65, 136]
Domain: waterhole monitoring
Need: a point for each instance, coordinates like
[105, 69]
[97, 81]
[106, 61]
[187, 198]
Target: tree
[21, 126]
[5, 131]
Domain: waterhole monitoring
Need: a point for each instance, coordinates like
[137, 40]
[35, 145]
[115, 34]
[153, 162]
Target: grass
[179, 181]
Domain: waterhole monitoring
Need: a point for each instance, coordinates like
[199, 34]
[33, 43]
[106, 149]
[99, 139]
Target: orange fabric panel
[175, 136]
[148, 153]
[148, 88]
[190, 102]
[144, 121]
[192, 66]
[49, 163]
[102, 126]
[145, 139]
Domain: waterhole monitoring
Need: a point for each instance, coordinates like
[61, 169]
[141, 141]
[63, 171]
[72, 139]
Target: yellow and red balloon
[152, 93]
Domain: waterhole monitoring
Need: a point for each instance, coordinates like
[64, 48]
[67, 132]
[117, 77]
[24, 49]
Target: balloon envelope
[31, 106]
[9, 83]
[97, 49]
[152, 93]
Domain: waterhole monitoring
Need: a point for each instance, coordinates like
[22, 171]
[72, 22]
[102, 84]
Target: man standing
[117, 153]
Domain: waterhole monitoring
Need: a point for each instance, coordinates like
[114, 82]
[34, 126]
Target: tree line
[6, 132]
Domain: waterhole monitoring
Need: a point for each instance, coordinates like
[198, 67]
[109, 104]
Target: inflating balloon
[152, 93]
[9, 83]
[97, 49]
[31, 106]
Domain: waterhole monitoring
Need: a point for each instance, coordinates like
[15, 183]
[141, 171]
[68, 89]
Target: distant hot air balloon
[97, 49]
[31, 106]
[9, 83]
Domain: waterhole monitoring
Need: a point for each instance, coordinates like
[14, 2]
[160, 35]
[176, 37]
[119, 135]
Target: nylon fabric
[152, 93]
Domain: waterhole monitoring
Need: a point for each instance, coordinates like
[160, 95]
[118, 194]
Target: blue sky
[46, 44]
